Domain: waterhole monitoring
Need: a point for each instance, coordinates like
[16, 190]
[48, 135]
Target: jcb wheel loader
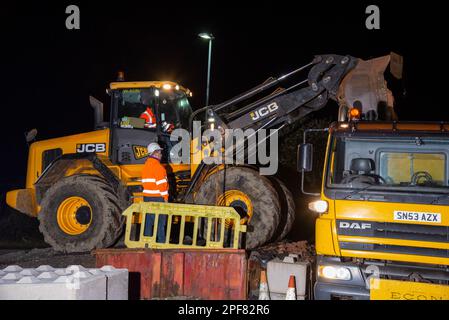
[78, 185]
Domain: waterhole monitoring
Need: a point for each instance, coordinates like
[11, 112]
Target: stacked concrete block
[116, 282]
[279, 272]
[71, 283]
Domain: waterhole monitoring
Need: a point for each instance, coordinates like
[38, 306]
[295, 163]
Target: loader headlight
[334, 273]
[319, 206]
[166, 86]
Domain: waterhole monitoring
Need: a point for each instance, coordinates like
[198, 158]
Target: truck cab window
[401, 168]
[358, 162]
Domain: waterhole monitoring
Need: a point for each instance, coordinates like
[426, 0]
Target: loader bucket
[365, 88]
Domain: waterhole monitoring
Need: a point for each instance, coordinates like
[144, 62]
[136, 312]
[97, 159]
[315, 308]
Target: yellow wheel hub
[238, 200]
[74, 215]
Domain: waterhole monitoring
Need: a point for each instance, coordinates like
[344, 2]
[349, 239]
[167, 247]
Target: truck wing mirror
[305, 157]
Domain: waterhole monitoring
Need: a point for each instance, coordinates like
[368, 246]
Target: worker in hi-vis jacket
[155, 188]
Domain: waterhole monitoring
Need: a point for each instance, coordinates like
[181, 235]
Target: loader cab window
[134, 106]
[151, 108]
[175, 109]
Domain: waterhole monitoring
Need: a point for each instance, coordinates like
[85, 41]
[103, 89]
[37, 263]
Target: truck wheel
[253, 197]
[287, 217]
[80, 213]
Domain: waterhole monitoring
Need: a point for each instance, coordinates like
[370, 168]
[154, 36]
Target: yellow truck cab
[383, 225]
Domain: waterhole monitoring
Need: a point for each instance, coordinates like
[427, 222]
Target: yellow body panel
[381, 289]
[23, 200]
[323, 235]
[379, 212]
[68, 144]
[325, 230]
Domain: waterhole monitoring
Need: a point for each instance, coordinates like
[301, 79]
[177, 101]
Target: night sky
[47, 72]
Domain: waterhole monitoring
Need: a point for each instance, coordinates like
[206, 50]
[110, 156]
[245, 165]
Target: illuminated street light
[209, 37]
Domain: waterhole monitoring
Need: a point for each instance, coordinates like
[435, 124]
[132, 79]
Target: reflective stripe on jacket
[148, 116]
[154, 179]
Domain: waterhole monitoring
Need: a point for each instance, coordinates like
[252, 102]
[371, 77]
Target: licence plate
[417, 216]
[381, 289]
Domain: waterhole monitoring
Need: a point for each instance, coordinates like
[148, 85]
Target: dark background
[47, 72]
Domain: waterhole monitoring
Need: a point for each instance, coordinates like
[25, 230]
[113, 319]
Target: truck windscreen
[402, 163]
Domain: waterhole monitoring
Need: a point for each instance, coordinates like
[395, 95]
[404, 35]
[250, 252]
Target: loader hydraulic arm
[291, 104]
[344, 79]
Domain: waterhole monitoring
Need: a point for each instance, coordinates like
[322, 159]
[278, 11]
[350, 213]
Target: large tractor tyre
[253, 197]
[287, 216]
[80, 213]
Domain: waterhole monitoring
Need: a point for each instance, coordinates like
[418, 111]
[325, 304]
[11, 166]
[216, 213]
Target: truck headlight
[335, 273]
[319, 206]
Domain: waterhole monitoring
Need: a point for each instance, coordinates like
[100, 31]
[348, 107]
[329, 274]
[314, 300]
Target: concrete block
[117, 282]
[45, 268]
[13, 268]
[71, 283]
[278, 274]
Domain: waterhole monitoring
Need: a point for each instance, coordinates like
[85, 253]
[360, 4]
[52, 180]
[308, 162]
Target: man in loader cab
[147, 115]
[155, 185]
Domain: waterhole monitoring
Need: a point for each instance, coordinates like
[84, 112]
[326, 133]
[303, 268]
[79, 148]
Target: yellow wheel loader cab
[383, 225]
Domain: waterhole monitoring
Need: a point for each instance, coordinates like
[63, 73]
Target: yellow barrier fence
[187, 226]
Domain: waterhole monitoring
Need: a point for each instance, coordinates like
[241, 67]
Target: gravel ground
[44, 256]
[22, 244]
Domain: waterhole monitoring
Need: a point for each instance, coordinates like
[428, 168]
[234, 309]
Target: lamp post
[209, 37]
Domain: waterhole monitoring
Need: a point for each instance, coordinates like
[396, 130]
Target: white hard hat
[153, 146]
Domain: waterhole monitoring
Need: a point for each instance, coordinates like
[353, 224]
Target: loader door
[174, 113]
[130, 132]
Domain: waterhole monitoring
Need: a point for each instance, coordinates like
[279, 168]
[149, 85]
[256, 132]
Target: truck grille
[441, 253]
[388, 230]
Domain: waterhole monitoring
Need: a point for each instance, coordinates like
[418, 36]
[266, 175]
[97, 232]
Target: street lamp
[209, 37]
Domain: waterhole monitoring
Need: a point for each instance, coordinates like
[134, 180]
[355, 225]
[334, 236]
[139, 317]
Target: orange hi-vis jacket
[154, 179]
[150, 119]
